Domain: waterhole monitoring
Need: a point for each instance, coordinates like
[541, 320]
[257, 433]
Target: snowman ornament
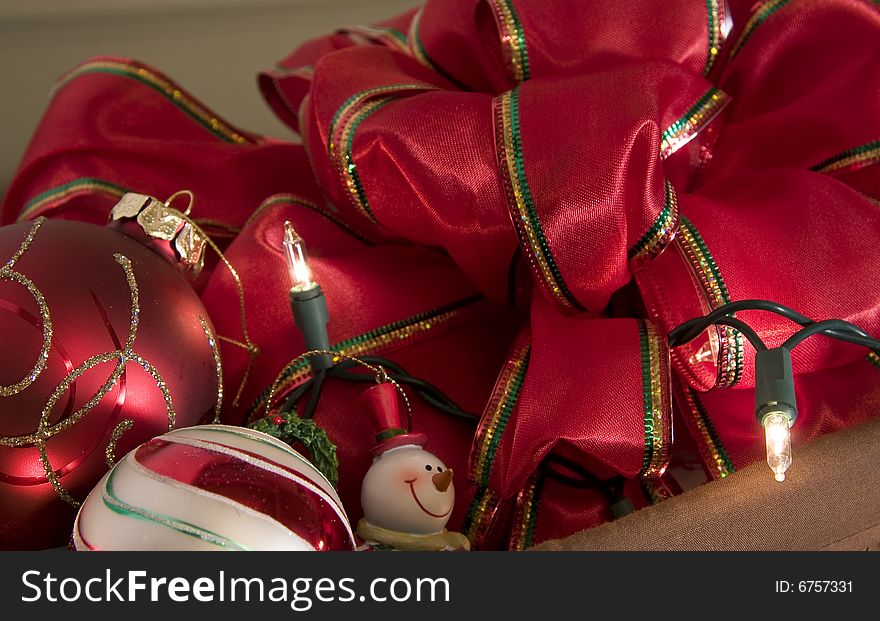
[407, 494]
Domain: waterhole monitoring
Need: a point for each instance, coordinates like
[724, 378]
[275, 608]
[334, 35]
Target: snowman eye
[428, 468]
[439, 469]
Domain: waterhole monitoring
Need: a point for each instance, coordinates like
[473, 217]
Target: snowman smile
[412, 490]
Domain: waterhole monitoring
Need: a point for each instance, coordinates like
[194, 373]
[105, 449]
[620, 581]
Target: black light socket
[311, 316]
[774, 384]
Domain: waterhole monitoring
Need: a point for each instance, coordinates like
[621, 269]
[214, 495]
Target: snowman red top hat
[381, 405]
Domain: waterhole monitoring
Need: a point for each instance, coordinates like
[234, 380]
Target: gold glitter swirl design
[851, 159]
[90, 185]
[60, 193]
[657, 403]
[522, 533]
[661, 232]
[110, 452]
[480, 516]
[8, 273]
[498, 412]
[171, 91]
[523, 211]
[758, 17]
[45, 430]
[218, 367]
[513, 40]
[730, 341]
[697, 117]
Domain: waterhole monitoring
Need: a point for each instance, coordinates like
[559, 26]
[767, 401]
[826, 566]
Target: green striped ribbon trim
[711, 434]
[855, 158]
[648, 405]
[714, 45]
[501, 417]
[168, 90]
[525, 204]
[81, 184]
[758, 18]
[350, 166]
[662, 227]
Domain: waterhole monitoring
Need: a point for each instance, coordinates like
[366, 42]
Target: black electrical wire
[317, 386]
[686, 331]
[427, 391]
[839, 329]
[612, 488]
[692, 328]
[826, 328]
[295, 395]
[745, 329]
[429, 394]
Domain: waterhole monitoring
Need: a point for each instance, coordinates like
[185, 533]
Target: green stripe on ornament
[112, 502]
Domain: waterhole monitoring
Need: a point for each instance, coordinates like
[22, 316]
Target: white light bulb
[708, 351]
[297, 259]
[704, 354]
[778, 438]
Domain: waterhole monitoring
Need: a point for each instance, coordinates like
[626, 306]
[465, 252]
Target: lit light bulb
[708, 351]
[704, 354]
[778, 439]
[297, 260]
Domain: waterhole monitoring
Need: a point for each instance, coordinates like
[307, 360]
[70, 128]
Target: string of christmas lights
[775, 398]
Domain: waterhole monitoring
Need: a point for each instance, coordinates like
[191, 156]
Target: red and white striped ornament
[213, 487]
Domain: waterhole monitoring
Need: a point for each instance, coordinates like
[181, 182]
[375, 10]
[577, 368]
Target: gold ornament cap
[167, 230]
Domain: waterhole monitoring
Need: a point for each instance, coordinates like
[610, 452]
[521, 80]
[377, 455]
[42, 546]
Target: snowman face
[408, 489]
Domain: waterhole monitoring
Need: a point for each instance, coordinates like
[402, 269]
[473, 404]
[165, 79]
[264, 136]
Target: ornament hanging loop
[381, 376]
[187, 240]
[190, 204]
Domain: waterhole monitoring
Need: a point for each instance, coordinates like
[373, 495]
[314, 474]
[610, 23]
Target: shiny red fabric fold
[285, 85]
[115, 125]
[725, 242]
[613, 411]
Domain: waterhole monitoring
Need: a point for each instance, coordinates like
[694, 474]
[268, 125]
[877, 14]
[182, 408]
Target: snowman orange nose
[442, 480]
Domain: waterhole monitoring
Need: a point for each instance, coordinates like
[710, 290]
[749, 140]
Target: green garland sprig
[290, 428]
